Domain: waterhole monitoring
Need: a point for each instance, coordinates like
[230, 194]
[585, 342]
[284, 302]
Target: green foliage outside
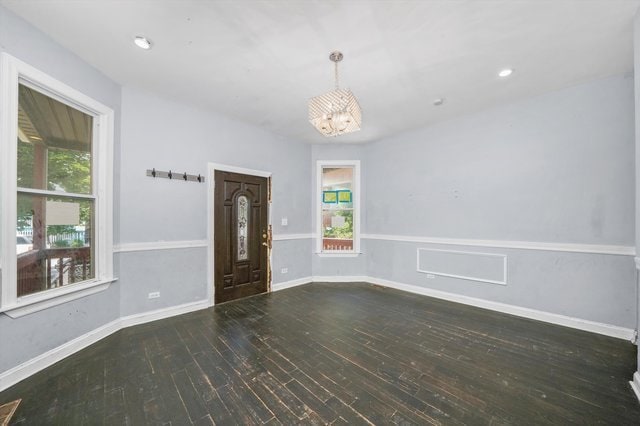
[344, 231]
[61, 243]
[68, 171]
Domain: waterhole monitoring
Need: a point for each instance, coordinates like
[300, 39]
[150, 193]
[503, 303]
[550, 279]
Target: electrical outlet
[285, 221]
[284, 270]
[154, 295]
[430, 276]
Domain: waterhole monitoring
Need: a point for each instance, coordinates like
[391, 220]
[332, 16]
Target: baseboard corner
[292, 283]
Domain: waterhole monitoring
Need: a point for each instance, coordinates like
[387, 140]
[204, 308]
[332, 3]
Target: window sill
[37, 302]
[338, 254]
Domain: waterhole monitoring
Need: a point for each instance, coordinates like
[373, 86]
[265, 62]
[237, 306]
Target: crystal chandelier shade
[336, 112]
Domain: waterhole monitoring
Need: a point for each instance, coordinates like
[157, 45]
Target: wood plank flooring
[330, 353]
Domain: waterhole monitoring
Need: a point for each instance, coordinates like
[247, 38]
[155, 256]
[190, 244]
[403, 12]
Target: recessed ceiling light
[505, 72]
[142, 42]
[438, 102]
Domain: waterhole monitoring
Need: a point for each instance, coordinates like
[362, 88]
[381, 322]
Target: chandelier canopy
[336, 112]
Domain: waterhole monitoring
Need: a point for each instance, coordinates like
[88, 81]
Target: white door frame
[211, 265]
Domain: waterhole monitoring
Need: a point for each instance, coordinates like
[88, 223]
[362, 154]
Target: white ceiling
[260, 61]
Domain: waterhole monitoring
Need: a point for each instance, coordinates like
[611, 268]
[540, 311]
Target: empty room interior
[319, 212]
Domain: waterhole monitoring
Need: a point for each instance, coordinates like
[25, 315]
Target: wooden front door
[241, 236]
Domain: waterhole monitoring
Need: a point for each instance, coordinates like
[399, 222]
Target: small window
[338, 213]
[54, 148]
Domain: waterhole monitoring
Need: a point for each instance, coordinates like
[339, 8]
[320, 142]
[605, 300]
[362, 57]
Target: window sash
[321, 165]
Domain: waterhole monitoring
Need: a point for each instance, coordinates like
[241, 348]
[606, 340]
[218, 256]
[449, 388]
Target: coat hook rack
[170, 175]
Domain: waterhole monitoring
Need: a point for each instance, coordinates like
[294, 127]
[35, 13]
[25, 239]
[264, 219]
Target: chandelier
[336, 112]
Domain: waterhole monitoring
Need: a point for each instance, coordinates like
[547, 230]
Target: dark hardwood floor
[338, 353]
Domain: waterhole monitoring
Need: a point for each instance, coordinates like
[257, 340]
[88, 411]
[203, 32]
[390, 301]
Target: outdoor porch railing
[40, 270]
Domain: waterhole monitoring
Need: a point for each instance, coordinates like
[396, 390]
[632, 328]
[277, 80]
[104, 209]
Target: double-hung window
[56, 190]
[338, 212]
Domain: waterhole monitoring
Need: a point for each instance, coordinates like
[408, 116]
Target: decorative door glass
[243, 227]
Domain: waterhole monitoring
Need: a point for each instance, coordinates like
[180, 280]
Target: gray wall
[556, 168]
[36, 333]
[166, 135]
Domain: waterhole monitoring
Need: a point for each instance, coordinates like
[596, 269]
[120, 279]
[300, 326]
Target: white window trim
[13, 71]
[356, 207]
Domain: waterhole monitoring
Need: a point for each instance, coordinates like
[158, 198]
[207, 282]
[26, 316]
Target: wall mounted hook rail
[170, 175]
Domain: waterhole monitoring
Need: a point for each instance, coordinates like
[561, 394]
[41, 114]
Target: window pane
[54, 144]
[337, 184]
[337, 229]
[54, 242]
[337, 208]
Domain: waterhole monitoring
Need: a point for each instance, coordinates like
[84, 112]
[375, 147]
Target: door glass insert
[243, 227]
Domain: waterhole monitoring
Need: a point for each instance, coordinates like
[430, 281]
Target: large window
[56, 189]
[339, 215]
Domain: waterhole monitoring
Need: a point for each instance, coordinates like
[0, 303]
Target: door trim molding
[211, 186]
[241, 170]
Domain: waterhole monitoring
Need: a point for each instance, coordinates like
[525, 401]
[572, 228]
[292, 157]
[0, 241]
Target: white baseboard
[340, 279]
[292, 283]
[319, 279]
[635, 384]
[158, 314]
[20, 372]
[566, 321]
[577, 323]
